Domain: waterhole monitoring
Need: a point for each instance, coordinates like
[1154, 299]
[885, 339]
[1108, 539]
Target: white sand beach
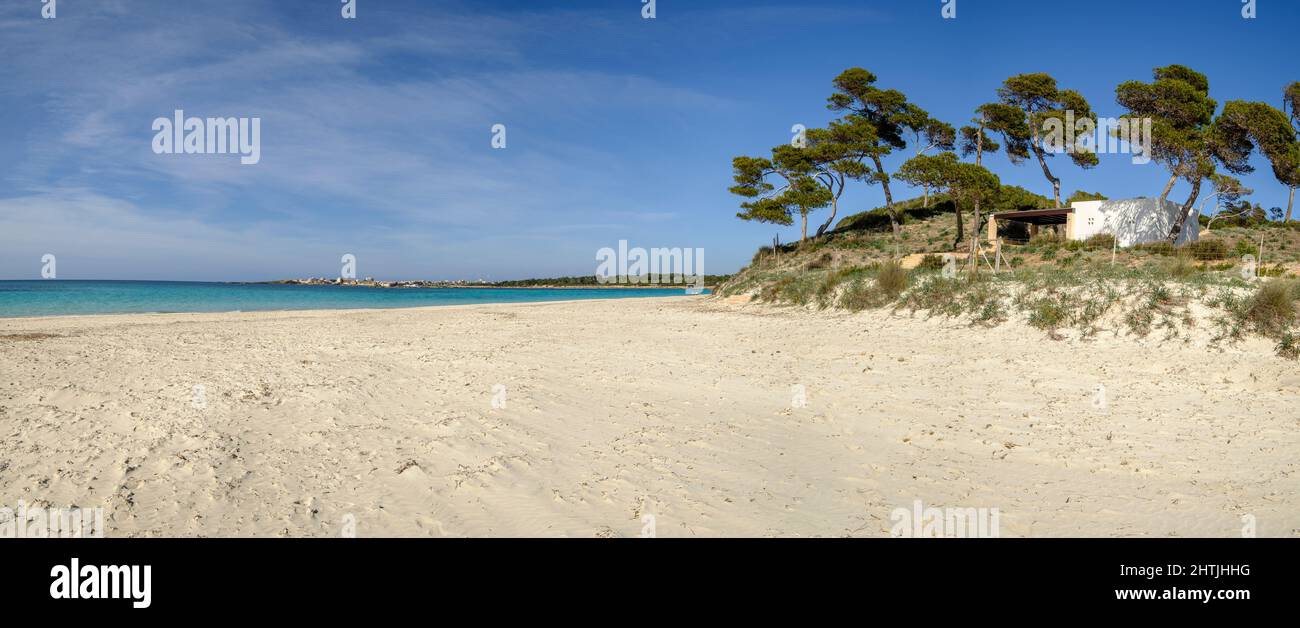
[681, 408]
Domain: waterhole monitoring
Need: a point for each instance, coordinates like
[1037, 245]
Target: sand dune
[683, 409]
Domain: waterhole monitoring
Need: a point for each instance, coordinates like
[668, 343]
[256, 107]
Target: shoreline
[319, 311]
[611, 286]
[91, 298]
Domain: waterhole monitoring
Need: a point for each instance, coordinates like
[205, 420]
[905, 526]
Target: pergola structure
[1034, 218]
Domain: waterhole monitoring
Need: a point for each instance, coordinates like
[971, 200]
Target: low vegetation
[1060, 287]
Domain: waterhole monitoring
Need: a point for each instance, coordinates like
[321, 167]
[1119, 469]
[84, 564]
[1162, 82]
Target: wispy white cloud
[351, 150]
[95, 237]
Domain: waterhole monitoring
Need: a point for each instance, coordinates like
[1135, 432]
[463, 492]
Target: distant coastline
[589, 282]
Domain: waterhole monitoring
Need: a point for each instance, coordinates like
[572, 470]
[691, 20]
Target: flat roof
[1037, 216]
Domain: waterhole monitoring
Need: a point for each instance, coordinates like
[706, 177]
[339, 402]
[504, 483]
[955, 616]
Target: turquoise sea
[62, 297]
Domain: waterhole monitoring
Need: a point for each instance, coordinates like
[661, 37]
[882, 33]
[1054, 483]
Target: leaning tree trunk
[1290, 202]
[835, 202]
[1042, 162]
[803, 235]
[826, 225]
[889, 202]
[1177, 229]
[975, 237]
[956, 244]
[1056, 183]
[1164, 195]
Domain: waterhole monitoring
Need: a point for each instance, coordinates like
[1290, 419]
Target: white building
[1132, 221]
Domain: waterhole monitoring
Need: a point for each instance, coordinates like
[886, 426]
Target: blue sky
[376, 131]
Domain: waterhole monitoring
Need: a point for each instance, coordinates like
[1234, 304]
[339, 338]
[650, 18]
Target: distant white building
[1132, 221]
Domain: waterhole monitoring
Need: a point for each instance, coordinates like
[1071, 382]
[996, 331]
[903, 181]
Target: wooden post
[1260, 264]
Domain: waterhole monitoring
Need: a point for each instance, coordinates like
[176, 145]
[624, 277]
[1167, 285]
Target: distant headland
[588, 281]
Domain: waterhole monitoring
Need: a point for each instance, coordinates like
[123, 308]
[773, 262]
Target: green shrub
[936, 294]
[826, 288]
[1159, 301]
[930, 262]
[1094, 307]
[795, 289]
[1048, 313]
[1099, 241]
[1272, 309]
[983, 301]
[1066, 262]
[1288, 346]
[857, 296]
[1276, 271]
[1139, 321]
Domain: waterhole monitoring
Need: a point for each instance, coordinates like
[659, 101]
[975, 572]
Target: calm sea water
[61, 297]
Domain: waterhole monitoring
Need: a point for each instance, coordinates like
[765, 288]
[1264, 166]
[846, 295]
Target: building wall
[1132, 221]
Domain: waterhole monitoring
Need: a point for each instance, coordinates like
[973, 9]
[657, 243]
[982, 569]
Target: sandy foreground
[682, 408]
